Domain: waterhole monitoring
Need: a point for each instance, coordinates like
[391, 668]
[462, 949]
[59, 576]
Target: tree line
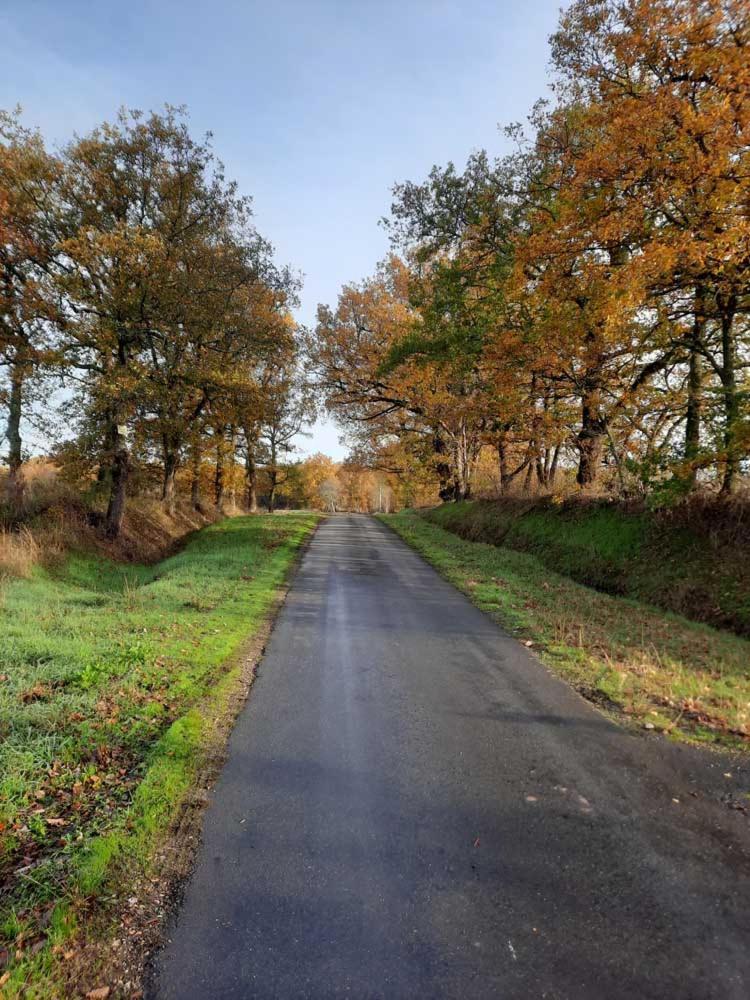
[319, 482]
[137, 295]
[580, 305]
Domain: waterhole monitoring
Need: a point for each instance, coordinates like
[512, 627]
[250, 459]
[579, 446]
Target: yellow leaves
[127, 255]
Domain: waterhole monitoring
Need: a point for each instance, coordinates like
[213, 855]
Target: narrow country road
[414, 807]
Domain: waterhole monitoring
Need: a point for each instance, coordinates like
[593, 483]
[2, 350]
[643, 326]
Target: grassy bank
[693, 559]
[107, 671]
[658, 669]
[51, 518]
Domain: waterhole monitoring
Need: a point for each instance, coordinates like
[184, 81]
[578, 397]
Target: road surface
[414, 807]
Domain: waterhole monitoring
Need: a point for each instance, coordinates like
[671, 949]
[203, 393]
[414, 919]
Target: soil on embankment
[51, 519]
[693, 559]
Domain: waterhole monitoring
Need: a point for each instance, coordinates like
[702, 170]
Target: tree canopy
[581, 303]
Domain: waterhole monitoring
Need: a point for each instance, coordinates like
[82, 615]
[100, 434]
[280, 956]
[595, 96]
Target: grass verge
[655, 668]
[110, 677]
[692, 559]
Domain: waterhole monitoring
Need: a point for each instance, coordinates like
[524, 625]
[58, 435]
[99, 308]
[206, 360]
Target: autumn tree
[249, 397]
[288, 406]
[461, 231]
[602, 267]
[661, 92]
[30, 227]
[319, 484]
[167, 288]
[234, 322]
[431, 409]
[122, 185]
[356, 485]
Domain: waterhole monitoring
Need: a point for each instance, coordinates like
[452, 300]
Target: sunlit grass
[684, 678]
[690, 560]
[101, 668]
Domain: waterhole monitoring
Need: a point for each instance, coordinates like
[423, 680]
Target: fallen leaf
[101, 993]
[39, 692]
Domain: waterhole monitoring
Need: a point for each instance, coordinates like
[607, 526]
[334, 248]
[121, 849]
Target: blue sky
[317, 106]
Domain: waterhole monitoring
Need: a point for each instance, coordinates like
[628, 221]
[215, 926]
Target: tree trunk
[231, 451]
[171, 463]
[119, 482]
[251, 479]
[693, 416]
[219, 478]
[195, 481]
[535, 450]
[731, 399]
[618, 463]
[460, 465]
[552, 474]
[546, 466]
[464, 461]
[695, 392]
[457, 490]
[529, 472]
[447, 489]
[541, 469]
[273, 477]
[507, 475]
[502, 458]
[15, 409]
[590, 440]
[460, 486]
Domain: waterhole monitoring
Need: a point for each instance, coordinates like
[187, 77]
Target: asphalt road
[414, 807]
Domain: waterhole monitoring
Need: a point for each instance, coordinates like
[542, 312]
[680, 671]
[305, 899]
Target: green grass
[103, 670]
[693, 560]
[650, 666]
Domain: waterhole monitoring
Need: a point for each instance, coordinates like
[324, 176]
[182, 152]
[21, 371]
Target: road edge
[122, 940]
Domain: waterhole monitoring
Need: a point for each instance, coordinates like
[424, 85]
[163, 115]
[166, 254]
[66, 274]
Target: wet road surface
[414, 807]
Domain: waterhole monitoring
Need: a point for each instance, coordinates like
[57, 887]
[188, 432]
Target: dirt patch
[149, 534]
